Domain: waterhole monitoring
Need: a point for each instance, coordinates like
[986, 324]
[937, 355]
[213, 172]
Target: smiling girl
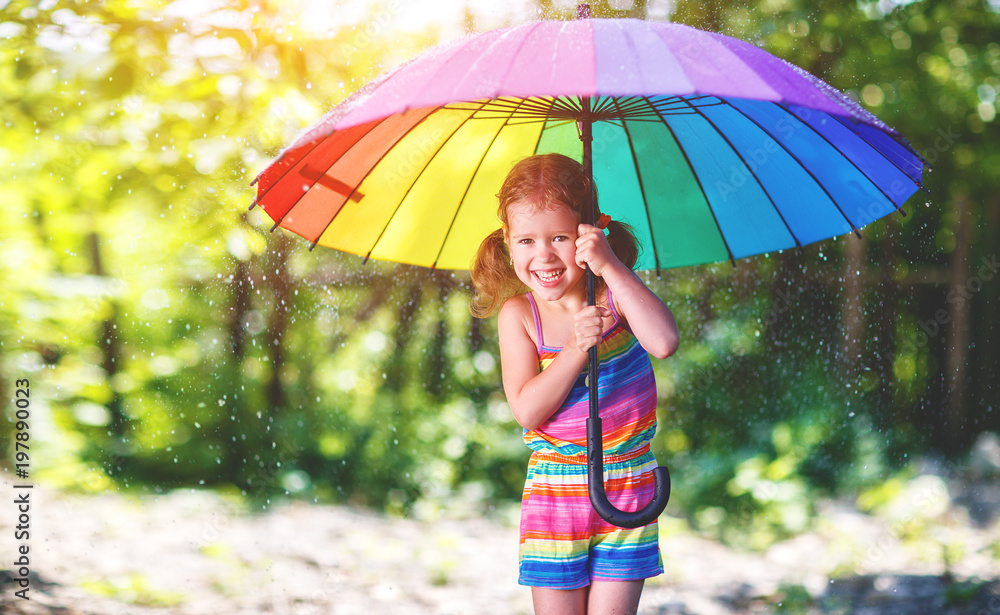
[532, 271]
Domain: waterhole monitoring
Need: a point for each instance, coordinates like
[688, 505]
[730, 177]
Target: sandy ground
[196, 553]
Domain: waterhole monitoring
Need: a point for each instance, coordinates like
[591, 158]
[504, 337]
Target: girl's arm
[650, 320]
[533, 395]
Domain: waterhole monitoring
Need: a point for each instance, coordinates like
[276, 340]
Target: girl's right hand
[588, 324]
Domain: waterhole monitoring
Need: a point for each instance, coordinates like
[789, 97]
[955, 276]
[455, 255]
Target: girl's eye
[524, 241]
[562, 238]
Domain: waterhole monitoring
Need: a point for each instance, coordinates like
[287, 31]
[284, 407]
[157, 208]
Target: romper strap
[538, 321]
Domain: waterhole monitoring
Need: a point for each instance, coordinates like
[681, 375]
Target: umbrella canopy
[711, 148]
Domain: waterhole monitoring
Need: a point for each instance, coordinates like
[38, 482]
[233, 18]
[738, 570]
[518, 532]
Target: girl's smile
[549, 277]
[542, 244]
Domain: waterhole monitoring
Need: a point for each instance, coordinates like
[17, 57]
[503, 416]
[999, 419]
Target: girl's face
[542, 243]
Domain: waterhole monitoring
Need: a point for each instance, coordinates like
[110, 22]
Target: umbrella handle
[595, 437]
[598, 497]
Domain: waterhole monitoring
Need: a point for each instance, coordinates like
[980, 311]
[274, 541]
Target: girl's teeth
[548, 276]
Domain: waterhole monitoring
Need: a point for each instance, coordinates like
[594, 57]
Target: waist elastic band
[581, 458]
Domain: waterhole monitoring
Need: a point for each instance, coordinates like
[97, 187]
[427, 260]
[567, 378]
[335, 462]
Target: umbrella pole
[595, 433]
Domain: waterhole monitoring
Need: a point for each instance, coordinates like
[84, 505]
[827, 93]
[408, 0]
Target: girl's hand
[592, 249]
[588, 324]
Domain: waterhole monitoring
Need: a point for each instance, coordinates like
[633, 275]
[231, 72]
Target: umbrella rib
[570, 107]
[604, 105]
[681, 105]
[694, 174]
[540, 120]
[847, 158]
[531, 104]
[667, 104]
[362, 180]
[465, 193]
[798, 244]
[804, 168]
[534, 150]
[642, 191]
[632, 107]
[407, 193]
[920, 185]
[554, 108]
[532, 108]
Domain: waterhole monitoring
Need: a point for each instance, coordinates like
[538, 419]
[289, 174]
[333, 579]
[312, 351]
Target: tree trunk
[437, 364]
[396, 368]
[111, 348]
[239, 310]
[281, 284]
[959, 305]
[885, 345]
[853, 305]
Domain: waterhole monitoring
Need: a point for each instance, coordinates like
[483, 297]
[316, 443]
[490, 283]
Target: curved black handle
[599, 498]
[595, 437]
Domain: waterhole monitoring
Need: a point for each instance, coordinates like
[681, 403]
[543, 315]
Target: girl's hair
[543, 181]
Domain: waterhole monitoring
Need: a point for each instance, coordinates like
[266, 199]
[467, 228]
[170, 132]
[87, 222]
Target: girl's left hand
[588, 326]
[592, 248]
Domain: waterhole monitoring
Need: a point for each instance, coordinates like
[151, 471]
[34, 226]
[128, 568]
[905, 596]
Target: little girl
[531, 270]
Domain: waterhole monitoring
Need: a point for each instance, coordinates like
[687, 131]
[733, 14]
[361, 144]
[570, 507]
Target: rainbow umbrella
[709, 147]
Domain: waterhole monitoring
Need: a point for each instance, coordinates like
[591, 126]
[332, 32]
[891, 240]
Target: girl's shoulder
[516, 314]
[515, 302]
[517, 307]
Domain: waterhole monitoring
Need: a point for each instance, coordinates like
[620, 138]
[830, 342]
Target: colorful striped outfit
[564, 544]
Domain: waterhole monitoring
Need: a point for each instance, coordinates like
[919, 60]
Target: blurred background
[172, 341]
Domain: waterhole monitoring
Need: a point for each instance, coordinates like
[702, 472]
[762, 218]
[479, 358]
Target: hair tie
[603, 221]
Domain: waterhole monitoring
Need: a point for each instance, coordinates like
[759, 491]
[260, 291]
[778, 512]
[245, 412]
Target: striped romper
[564, 544]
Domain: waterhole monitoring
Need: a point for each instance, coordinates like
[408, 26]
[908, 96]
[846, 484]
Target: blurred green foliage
[171, 341]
